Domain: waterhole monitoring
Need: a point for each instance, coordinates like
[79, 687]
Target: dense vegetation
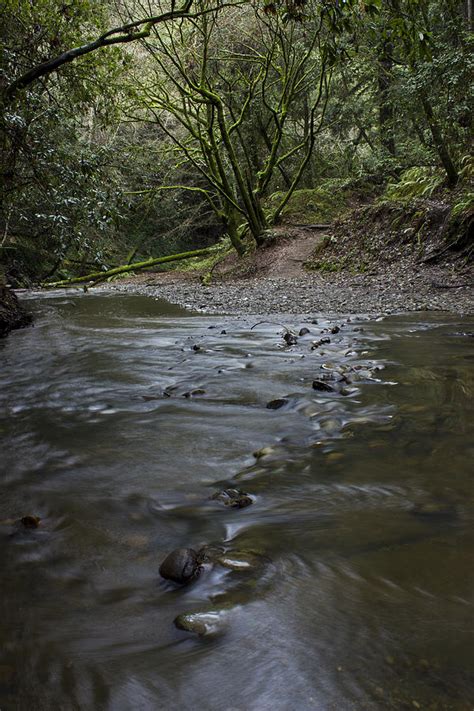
[134, 129]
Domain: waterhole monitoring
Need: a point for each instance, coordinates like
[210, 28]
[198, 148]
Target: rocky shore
[394, 289]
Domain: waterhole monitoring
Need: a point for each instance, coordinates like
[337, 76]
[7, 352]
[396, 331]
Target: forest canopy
[132, 130]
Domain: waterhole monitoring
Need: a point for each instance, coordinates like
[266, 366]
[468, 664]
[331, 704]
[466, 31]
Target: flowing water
[350, 584]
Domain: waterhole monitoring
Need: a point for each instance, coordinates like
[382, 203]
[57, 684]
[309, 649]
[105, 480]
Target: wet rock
[335, 329]
[240, 561]
[290, 339]
[322, 386]
[328, 375]
[235, 498]
[264, 452]
[194, 393]
[200, 623]
[12, 314]
[321, 342]
[30, 521]
[210, 553]
[197, 348]
[168, 391]
[223, 332]
[276, 404]
[304, 331]
[181, 566]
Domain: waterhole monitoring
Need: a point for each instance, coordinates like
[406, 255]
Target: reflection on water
[347, 584]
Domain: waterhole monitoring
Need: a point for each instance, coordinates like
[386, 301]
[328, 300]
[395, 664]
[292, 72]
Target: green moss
[326, 265]
[322, 204]
[205, 263]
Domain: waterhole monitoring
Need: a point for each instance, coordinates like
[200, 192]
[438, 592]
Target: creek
[351, 577]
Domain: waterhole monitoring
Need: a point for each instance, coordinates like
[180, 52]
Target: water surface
[121, 416]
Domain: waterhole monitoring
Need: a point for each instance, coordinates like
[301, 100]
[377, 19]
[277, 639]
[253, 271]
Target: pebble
[309, 293]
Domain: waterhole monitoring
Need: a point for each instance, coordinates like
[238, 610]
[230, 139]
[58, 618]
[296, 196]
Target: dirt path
[291, 256]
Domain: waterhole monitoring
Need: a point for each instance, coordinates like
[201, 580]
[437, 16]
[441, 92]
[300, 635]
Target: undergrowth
[417, 182]
[314, 205]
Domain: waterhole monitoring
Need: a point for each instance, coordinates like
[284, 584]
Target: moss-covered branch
[136, 266]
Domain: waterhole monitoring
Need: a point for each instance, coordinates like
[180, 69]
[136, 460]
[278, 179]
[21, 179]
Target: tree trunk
[100, 276]
[439, 142]
[384, 69]
[231, 224]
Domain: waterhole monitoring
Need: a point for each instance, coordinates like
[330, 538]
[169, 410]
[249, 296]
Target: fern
[419, 181]
[467, 168]
[464, 205]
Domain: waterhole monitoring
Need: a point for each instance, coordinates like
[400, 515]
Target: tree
[229, 102]
[58, 188]
[123, 34]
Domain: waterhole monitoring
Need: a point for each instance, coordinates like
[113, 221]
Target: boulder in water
[12, 314]
[181, 566]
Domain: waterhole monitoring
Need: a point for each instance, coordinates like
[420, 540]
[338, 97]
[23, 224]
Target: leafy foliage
[415, 182]
[212, 125]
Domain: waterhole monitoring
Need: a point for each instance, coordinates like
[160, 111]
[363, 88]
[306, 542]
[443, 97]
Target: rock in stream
[181, 566]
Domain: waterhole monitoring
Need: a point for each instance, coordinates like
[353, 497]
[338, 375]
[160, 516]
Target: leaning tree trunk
[101, 276]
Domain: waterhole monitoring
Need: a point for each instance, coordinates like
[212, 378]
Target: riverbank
[279, 283]
[12, 314]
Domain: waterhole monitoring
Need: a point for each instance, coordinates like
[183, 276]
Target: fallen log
[136, 266]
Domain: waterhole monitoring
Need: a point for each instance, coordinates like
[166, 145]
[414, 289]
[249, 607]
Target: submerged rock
[200, 623]
[264, 452]
[240, 561]
[322, 386]
[30, 521]
[276, 404]
[181, 566]
[235, 498]
[209, 553]
[434, 509]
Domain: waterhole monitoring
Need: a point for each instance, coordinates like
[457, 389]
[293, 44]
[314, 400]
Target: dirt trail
[292, 254]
